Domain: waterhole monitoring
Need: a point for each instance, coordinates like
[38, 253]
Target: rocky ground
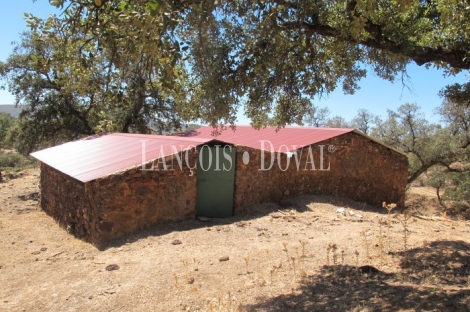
[312, 253]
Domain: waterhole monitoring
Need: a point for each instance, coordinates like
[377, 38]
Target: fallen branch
[433, 218]
[59, 253]
[423, 217]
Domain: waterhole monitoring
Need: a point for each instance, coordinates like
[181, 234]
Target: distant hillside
[10, 109]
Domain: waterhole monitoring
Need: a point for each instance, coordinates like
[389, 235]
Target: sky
[375, 94]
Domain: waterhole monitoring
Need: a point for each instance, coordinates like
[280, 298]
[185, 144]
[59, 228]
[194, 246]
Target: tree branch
[421, 55]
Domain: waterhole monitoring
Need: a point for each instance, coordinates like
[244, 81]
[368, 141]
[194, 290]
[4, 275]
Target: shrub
[15, 161]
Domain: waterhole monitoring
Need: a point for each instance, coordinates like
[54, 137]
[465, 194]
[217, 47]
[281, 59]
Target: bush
[454, 190]
[6, 122]
[14, 161]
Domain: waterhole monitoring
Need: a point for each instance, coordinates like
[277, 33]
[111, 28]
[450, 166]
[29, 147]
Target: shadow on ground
[299, 204]
[431, 278]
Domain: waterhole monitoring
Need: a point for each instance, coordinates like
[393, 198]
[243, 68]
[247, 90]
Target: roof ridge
[288, 127]
[159, 136]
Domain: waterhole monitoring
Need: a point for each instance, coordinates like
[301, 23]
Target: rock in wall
[350, 165]
[65, 199]
[136, 199]
[358, 168]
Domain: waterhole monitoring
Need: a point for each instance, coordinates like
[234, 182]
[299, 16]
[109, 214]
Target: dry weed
[389, 208]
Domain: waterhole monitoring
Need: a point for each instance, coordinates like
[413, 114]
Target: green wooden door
[215, 181]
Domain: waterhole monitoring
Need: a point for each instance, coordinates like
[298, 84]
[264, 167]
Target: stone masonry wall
[136, 199]
[360, 169]
[66, 201]
[119, 204]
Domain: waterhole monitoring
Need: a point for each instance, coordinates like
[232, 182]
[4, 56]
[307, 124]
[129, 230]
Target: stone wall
[66, 200]
[121, 203]
[359, 168]
[136, 199]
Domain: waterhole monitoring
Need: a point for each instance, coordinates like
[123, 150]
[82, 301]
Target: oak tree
[69, 87]
[273, 58]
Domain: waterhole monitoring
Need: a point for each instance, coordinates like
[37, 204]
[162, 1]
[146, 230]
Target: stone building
[109, 185]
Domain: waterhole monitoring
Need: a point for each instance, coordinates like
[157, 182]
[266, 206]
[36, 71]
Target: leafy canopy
[115, 65]
[69, 86]
[274, 57]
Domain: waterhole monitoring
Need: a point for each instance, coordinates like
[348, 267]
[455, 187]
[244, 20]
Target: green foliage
[440, 150]
[6, 122]
[317, 116]
[12, 161]
[71, 89]
[270, 58]
[457, 93]
[337, 122]
[458, 186]
[425, 144]
[146, 65]
[453, 189]
[364, 121]
[190, 127]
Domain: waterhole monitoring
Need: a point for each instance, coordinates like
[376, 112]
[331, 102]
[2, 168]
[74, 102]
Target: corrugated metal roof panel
[101, 155]
[268, 139]
[98, 156]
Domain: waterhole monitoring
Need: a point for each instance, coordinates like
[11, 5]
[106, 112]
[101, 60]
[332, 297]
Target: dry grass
[301, 256]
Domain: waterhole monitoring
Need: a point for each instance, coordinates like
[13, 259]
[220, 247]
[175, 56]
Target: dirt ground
[303, 255]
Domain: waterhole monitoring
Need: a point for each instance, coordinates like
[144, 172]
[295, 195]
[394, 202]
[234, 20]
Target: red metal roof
[284, 140]
[95, 157]
[102, 155]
